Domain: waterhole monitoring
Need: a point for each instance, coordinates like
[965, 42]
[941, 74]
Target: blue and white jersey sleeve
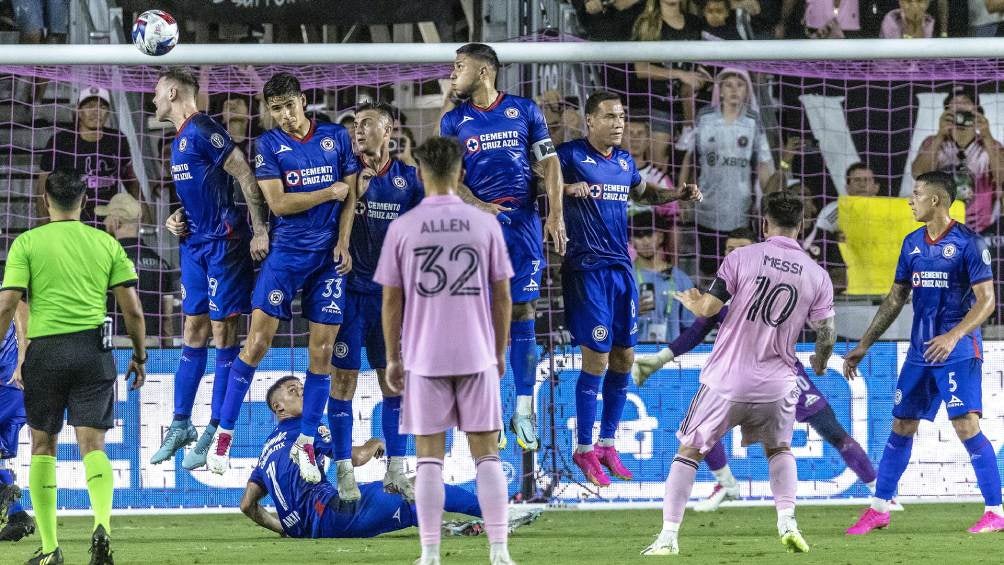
[539, 137]
[977, 261]
[348, 161]
[266, 164]
[213, 141]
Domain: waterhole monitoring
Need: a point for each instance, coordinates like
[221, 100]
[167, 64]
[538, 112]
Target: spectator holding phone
[965, 148]
[661, 318]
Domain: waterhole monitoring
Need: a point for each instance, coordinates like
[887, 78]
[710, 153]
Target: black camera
[965, 119]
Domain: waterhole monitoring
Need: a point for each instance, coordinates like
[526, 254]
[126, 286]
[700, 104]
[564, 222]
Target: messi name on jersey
[492, 140]
[310, 176]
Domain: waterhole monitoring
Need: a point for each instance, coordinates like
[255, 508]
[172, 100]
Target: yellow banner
[874, 228]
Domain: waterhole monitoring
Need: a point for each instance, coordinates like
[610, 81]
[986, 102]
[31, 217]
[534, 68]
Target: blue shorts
[601, 308]
[921, 389]
[286, 272]
[524, 241]
[12, 419]
[375, 513]
[216, 278]
[362, 326]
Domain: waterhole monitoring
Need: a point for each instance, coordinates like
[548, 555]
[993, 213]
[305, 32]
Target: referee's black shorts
[69, 374]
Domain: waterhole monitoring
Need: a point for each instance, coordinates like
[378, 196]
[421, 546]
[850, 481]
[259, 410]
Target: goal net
[814, 120]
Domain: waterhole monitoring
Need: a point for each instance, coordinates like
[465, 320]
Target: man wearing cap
[64, 270]
[97, 153]
[660, 317]
[157, 279]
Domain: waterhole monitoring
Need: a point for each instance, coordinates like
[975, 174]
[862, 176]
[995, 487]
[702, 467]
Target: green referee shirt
[66, 268]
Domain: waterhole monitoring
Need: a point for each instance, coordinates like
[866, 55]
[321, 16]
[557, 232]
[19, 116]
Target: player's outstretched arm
[554, 226]
[252, 508]
[703, 305]
[939, 348]
[284, 203]
[654, 194]
[342, 256]
[237, 167]
[392, 316]
[826, 337]
[887, 313]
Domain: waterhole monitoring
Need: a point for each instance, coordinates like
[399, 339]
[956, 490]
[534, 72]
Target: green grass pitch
[921, 534]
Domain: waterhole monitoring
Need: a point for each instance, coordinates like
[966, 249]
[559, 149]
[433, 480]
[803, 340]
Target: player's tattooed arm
[886, 315]
[826, 337]
[649, 193]
[237, 167]
[252, 508]
[465, 194]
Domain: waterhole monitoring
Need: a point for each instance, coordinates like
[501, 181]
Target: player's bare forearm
[284, 203]
[392, 315]
[982, 309]
[501, 314]
[764, 172]
[886, 315]
[348, 213]
[826, 337]
[132, 313]
[703, 305]
[685, 172]
[252, 508]
[237, 167]
[554, 185]
[465, 194]
[927, 158]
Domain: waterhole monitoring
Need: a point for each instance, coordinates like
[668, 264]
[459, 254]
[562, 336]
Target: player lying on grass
[812, 407]
[307, 510]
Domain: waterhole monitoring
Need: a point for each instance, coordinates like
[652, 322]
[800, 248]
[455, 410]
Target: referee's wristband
[140, 361]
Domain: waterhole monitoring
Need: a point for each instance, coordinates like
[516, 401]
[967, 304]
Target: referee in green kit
[65, 269]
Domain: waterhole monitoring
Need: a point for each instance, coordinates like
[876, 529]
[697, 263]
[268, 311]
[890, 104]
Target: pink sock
[679, 483]
[783, 479]
[430, 495]
[493, 498]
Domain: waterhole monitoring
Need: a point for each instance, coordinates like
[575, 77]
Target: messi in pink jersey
[773, 288]
[446, 309]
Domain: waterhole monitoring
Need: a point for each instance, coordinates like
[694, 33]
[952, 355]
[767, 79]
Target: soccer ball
[155, 32]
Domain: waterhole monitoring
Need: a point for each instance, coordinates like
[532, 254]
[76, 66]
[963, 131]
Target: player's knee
[320, 357]
[595, 362]
[621, 359]
[966, 426]
[691, 453]
[255, 348]
[905, 427]
[483, 443]
[225, 332]
[197, 330]
[522, 312]
[43, 443]
[343, 384]
[826, 424]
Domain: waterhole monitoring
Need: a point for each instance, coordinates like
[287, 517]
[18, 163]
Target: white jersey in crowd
[826, 222]
[727, 155]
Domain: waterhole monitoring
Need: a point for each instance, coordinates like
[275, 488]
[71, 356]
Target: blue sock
[894, 460]
[395, 443]
[7, 478]
[614, 395]
[586, 389]
[224, 361]
[186, 380]
[315, 393]
[984, 460]
[461, 501]
[523, 356]
[238, 383]
[340, 422]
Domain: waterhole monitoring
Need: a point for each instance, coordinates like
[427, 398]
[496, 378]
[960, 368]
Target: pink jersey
[775, 287]
[446, 255]
[818, 13]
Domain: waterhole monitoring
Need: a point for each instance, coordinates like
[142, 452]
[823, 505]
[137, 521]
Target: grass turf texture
[922, 534]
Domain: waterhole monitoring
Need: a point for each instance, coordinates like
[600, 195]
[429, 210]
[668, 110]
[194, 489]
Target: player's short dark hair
[439, 157]
[381, 107]
[65, 188]
[275, 386]
[597, 98]
[859, 166]
[941, 180]
[182, 76]
[481, 52]
[742, 233]
[783, 208]
[281, 84]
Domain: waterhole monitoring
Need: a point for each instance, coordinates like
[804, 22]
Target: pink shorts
[431, 405]
[711, 416]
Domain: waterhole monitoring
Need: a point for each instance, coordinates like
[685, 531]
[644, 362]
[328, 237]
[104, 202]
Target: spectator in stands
[655, 88]
[829, 19]
[719, 20]
[562, 116]
[401, 145]
[965, 148]
[909, 21]
[985, 17]
[607, 20]
[157, 280]
[347, 120]
[39, 20]
[860, 182]
[661, 318]
[727, 147]
[98, 153]
[163, 185]
[637, 141]
[236, 116]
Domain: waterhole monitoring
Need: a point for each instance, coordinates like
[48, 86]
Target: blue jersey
[298, 503]
[942, 273]
[315, 162]
[597, 225]
[8, 357]
[204, 188]
[392, 192]
[500, 141]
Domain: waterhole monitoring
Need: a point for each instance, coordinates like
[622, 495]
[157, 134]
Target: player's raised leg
[726, 486]
[615, 384]
[259, 339]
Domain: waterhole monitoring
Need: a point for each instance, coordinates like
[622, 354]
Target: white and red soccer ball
[155, 32]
